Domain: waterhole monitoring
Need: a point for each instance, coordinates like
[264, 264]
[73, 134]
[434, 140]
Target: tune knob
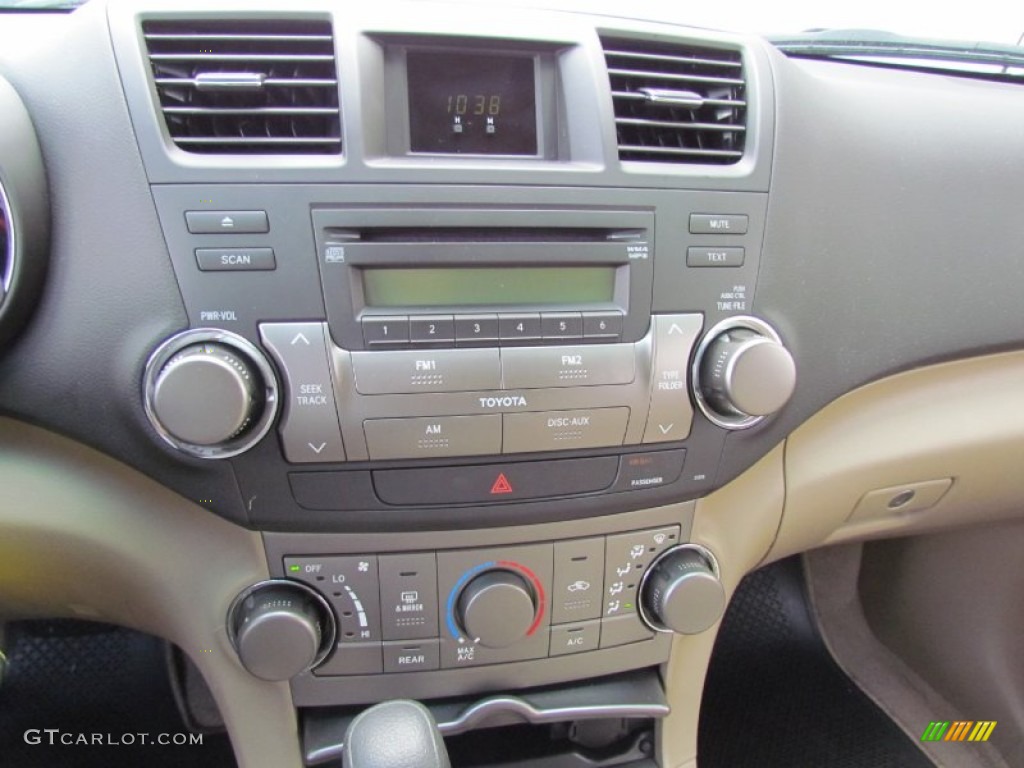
[681, 591]
[497, 608]
[280, 628]
[210, 393]
[743, 373]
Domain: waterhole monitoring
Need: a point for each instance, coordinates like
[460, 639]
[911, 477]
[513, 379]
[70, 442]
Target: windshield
[985, 21]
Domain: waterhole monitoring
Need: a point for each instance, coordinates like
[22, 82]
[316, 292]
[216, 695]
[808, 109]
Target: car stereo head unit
[428, 278]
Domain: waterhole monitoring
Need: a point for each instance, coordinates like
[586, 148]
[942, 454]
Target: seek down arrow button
[309, 425]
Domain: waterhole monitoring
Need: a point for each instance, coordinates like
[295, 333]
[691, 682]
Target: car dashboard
[462, 353]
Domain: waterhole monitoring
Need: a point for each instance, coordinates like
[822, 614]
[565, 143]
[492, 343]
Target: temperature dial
[497, 608]
[742, 373]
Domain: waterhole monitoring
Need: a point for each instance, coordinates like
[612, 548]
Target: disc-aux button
[428, 370]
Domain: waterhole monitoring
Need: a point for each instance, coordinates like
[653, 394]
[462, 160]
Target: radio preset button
[417, 438]
[602, 325]
[309, 427]
[385, 331]
[432, 329]
[471, 329]
[671, 414]
[427, 370]
[561, 325]
[519, 327]
[564, 430]
[579, 366]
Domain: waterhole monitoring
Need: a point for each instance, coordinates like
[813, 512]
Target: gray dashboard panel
[110, 291]
[894, 229]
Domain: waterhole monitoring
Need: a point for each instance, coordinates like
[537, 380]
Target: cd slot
[485, 234]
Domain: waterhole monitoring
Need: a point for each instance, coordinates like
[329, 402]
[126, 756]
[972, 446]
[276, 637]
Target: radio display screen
[487, 286]
[471, 103]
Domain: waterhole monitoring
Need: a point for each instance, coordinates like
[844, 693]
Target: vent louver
[677, 103]
[254, 86]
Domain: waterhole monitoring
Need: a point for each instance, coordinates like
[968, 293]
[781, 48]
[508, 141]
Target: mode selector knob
[681, 591]
[210, 393]
[743, 373]
[497, 608]
[280, 628]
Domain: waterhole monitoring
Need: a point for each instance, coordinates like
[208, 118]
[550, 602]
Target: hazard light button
[490, 483]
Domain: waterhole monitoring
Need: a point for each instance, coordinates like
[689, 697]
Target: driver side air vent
[677, 103]
[252, 86]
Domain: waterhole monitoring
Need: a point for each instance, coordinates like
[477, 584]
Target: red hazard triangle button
[501, 485]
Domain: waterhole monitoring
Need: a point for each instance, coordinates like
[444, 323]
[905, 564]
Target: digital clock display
[472, 103]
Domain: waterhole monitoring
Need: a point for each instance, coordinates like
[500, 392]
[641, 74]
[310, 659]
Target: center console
[471, 336]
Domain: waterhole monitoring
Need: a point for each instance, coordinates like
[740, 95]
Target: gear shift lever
[395, 734]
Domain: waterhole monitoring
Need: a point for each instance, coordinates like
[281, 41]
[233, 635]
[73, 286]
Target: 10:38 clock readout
[478, 104]
[472, 102]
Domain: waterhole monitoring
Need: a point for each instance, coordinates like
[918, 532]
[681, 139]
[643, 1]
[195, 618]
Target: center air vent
[254, 86]
[677, 103]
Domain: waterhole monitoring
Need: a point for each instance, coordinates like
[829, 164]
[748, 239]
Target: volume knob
[210, 393]
[205, 394]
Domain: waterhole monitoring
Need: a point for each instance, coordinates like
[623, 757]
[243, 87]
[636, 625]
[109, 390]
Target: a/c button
[575, 638]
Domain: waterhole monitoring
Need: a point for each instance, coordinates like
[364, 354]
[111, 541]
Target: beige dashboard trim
[962, 420]
[84, 536]
[738, 524]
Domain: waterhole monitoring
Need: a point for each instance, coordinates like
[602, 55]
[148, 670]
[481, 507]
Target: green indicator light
[629, 605]
[294, 568]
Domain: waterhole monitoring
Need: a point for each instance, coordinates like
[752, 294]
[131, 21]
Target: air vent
[256, 86]
[677, 103]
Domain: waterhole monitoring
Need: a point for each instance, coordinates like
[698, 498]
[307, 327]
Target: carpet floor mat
[774, 697]
[82, 695]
